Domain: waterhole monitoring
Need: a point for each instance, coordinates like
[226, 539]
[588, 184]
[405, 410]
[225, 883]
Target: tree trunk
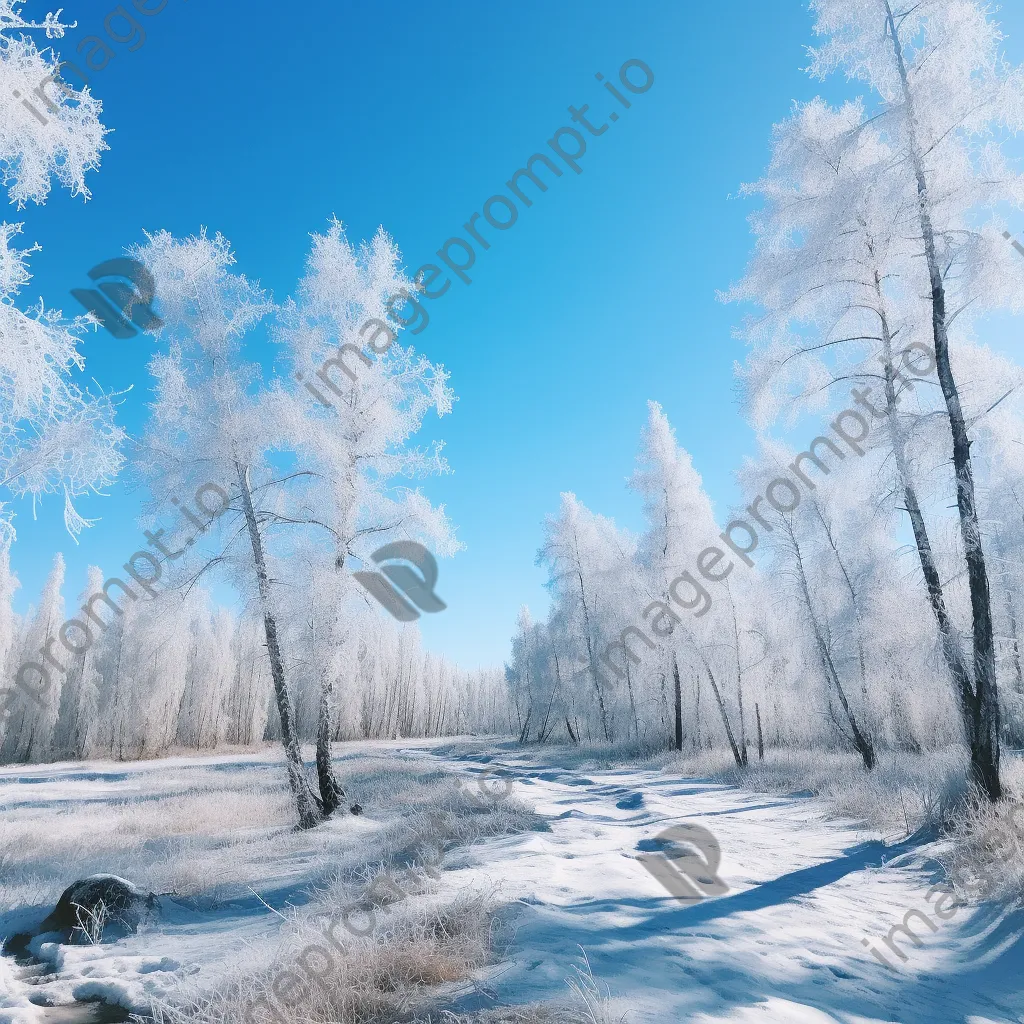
[855, 604]
[949, 641]
[982, 718]
[760, 741]
[861, 741]
[332, 793]
[739, 675]
[721, 708]
[632, 703]
[542, 735]
[1013, 731]
[525, 734]
[696, 711]
[678, 702]
[1011, 615]
[593, 663]
[310, 812]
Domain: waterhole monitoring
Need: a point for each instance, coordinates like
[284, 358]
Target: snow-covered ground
[785, 943]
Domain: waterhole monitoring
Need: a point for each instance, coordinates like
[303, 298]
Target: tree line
[885, 608]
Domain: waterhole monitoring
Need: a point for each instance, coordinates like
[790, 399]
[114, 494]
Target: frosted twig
[265, 903]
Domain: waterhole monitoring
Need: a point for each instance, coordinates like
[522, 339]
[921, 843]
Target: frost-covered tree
[79, 690]
[353, 452]
[55, 437]
[874, 237]
[247, 704]
[175, 673]
[202, 722]
[533, 689]
[29, 728]
[309, 484]
[54, 131]
[681, 523]
[9, 623]
[208, 438]
[946, 98]
[584, 553]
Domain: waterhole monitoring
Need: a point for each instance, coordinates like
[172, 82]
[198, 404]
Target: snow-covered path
[784, 944]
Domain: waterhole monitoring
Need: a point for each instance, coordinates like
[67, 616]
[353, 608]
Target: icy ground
[783, 944]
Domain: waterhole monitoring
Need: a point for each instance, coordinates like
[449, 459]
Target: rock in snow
[100, 908]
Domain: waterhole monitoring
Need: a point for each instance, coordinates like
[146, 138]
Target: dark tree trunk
[860, 740]
[760, 741]
[854, 604]
[309, 808]
[981, 714]
[739, 676]
[696, 711]
[543, 733]
[525, 734]
[1011, 615]
[722, 711]
[949, 641]
[678, 702]
[332, 794]
[632, 703]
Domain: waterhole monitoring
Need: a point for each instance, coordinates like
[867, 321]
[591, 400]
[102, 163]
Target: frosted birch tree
[873, 231]
[579, 551]
[79, 690]
[681, 523]
[946, 99]
[208, 438]
[309, 483]
[351, 437]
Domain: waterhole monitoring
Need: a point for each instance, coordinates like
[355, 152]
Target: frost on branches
[55, 437]
[310, 486]
[66, 140]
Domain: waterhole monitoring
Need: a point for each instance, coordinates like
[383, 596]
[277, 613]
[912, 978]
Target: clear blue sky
[262, 124]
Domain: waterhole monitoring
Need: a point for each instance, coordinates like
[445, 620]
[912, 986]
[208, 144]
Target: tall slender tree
[353, 432]
[207, 438]
[945, 91]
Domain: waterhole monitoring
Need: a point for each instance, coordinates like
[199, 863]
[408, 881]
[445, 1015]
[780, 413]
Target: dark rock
[99, 908]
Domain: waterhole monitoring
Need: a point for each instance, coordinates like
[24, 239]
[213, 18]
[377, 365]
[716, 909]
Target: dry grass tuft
[985, 856]
[383, 977]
